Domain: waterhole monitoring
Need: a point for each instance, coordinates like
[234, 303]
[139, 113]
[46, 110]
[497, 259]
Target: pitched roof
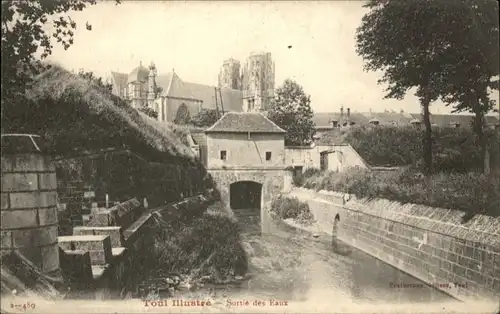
[447, 119]
[232, 99]
[119, 79]
[174, 86]
[243, 122]
[139, 74]
[177, 88]
[390, 117]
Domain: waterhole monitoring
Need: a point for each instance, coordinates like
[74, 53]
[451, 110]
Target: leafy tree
[446, 49]
[96, 80]
[149, 111]
[291, 110]
[204, 118]
[473, 62]
[405, 39]
[24, 34]
[182, 116]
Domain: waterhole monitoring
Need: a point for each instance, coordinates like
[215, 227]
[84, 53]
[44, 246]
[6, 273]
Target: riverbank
[194, 250]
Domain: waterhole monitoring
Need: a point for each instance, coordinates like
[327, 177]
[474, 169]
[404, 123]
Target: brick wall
[29, 209]
[428, 243]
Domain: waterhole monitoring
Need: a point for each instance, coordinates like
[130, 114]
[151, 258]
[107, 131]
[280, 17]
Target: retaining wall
[29, 209]
[428, 243]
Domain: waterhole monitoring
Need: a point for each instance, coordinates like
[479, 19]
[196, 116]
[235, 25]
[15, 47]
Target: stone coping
[75, 238]
[482, 229]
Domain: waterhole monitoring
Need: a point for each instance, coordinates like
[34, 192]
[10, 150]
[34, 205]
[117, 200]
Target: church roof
[119, 79]
[139, 74]
[244, 122]
[174, 86]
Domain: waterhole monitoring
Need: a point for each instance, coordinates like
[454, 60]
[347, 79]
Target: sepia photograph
[250, 156]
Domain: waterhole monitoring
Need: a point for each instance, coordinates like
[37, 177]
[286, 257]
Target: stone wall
[273, 183]
[428, 243]
[29, 209]
[123, 175]
[341, 157]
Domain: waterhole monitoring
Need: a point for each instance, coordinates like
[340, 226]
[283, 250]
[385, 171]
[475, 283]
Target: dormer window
[223, 155]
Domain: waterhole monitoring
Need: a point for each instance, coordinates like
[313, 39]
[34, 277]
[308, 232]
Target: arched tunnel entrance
[245, 198]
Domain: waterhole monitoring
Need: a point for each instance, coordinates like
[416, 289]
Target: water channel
[293, 266]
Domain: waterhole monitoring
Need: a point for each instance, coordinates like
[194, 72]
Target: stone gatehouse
[245, 154]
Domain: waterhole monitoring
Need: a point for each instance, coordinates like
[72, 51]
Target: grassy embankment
[76, 116]
[457, 184]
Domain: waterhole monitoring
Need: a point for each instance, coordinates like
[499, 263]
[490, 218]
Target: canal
[291, 266]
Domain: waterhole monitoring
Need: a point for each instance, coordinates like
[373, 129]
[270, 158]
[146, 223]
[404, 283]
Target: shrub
[150, 112]
[298, 180]
[469, 192]
[208, 245]
[290, 207]
[454, 149]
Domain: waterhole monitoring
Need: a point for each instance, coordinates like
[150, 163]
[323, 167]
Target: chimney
[341, 112]
[348, 113]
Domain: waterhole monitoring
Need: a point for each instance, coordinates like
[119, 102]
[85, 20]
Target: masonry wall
[340, 158]
[272, 181]
[244, 152]
[428, 243]
[29, 209]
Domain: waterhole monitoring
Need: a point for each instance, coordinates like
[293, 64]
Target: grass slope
[73, 114]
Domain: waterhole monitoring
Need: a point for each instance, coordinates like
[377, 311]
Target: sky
[194, 38]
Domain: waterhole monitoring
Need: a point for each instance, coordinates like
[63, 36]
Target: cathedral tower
[258, 82]
[229, 76]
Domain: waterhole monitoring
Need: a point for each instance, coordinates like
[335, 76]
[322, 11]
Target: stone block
[458, 270]
[19, 182]
[76, 266]
[114, 232]
[89, 243]
[5, 201]
[47, 216]
[33, 199]
[47, 181]
[34, 237]
[6, 239]
[32, 162]
[33, 254]
[15, 219]
[100, 257]
[50, 257]
[100, 219]
[7, 163]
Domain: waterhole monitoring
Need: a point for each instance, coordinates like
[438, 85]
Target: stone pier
[29, 202]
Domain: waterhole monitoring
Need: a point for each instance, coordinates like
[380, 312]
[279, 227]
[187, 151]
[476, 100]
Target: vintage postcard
[250, 156]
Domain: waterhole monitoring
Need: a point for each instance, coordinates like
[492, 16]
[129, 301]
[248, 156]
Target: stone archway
[245, 201]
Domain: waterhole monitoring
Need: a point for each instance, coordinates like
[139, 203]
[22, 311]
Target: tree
[291, 110]
[473, 62]
[24, 33]
[182, 116]
[89, 76]
[149, 111]
[410, 42]
[204, 118]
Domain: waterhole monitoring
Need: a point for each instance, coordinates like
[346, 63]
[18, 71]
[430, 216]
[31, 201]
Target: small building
[245, 155]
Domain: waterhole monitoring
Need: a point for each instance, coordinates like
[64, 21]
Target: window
[223, 155]
[268, 155]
